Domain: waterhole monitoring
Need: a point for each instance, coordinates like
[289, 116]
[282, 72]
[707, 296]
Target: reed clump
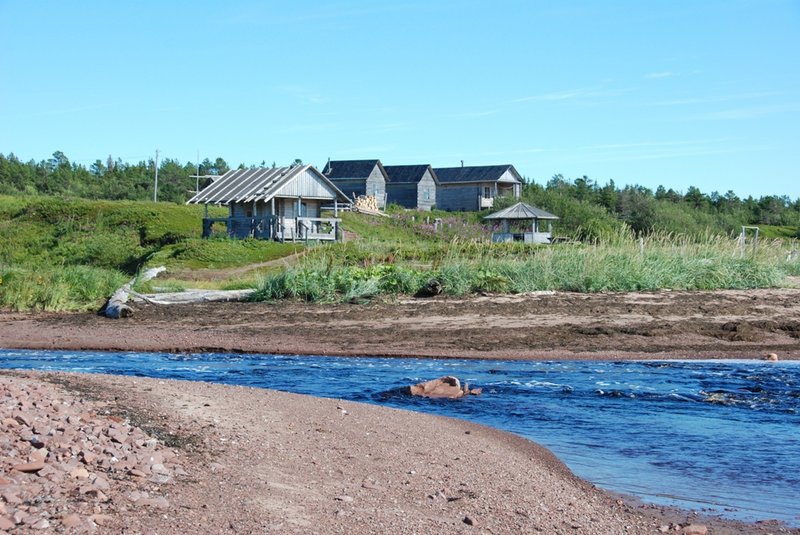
[621, 263]
[60, 288]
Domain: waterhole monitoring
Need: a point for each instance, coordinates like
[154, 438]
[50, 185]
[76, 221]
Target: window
[487, 191]
[427, 194]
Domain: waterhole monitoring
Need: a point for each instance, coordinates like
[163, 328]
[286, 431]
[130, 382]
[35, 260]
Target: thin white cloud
[662, 150]
[571, 94]
[469, 114]
[558, 95]
[304, 93]
[391, 127]
[75, 109]
[750, 112]
[686, 152]
[308, 127]
[366, 151]
[657, 75]
[716, 98]
[651, 144]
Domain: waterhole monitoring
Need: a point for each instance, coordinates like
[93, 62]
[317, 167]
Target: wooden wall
[458, 197]
[426, 192]
[376, 183]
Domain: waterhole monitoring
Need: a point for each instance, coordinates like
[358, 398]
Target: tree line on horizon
[587, 209]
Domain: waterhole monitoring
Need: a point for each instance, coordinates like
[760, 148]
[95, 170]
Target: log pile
[367, 204]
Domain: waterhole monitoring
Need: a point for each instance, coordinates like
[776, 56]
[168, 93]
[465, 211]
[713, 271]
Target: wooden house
[475, 188]
[358, 177]
[411, 186]
[282, 203]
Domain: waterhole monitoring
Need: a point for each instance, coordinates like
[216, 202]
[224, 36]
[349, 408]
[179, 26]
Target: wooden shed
[411, 186]
[282, 203]
[474, 188]
[520, 222]
[358, 177]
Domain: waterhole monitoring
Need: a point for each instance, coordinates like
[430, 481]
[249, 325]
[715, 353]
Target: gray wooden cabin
[411, 186]
[358, 177]
[521, 222]
[280, 203]
[470, 189]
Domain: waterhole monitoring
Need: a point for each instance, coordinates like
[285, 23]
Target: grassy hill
[70, 254]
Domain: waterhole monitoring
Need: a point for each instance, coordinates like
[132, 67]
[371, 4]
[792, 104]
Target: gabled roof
[408, 173]
[340, 169]
[477, 173]
[259, 184]
[521, 210]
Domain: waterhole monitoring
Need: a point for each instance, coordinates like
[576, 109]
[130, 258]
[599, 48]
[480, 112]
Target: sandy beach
[92, 453]
[653, 325]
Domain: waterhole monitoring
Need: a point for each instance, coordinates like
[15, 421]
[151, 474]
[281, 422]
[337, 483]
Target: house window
[427, 194]
[487, 191]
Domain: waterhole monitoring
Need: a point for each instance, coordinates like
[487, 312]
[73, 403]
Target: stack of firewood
[366, 202]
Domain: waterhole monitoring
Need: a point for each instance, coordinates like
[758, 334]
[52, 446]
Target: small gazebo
[520, 222]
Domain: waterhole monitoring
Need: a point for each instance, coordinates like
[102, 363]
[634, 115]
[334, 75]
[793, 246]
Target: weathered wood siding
[403, 193]
[307, 185]
[508, 180]
[290, 209]
[352, 187]
[426, 192]
[458, 197]
[376, 183]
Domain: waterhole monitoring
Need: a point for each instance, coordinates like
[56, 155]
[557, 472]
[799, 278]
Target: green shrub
[58, 288]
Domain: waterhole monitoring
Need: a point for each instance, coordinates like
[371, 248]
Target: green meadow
[71, 254]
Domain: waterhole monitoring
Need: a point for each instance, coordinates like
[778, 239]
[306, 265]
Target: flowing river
[718, 436]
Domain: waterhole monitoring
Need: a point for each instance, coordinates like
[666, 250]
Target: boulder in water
[771, 357]
[447, 387]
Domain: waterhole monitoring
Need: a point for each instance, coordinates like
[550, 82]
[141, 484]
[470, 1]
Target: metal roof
[478, 173]
[407, 173]
[521, 210]
[259, 184]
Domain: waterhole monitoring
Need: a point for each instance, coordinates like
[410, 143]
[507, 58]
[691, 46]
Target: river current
[718, 436]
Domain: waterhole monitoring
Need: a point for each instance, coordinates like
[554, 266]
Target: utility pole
[155, 187]
[197, 175]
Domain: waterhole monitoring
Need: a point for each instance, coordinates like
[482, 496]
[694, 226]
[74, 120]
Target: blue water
[719, 436]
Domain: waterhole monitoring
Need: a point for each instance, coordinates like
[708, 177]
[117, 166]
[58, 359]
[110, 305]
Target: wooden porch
[274, 228]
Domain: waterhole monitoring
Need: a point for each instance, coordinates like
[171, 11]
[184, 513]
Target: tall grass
[662, 261]
[58, 288]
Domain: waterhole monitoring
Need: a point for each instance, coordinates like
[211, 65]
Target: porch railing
[485, 202]
[274, 228]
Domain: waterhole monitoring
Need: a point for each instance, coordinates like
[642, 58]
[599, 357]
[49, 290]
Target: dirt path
[222, 274]
[721, 324]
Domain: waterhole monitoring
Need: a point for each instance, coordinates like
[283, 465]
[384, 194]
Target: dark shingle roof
[349, 168]
[407, 173]
[478, 173]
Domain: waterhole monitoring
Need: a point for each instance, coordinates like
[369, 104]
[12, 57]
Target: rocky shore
[103, 454]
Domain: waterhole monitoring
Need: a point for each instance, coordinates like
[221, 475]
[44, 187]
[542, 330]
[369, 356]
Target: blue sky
[679, 93]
